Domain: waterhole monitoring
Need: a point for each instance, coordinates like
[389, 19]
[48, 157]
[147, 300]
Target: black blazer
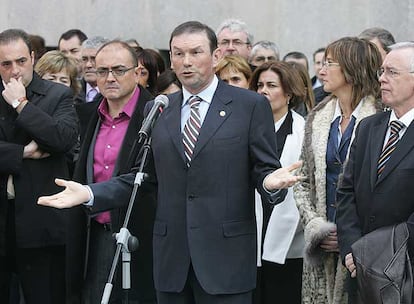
[142, 217]
[206, 213]
[48, 118]
[366, 203]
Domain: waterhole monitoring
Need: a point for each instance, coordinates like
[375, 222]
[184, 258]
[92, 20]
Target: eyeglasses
[392, 73]
[328, 64]
[236, 43]
[116, 71]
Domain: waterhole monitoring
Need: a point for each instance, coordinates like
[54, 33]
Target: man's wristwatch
[17, 102]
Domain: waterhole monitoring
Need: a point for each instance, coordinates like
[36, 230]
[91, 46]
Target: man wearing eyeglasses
[234, 38]
[377, 187]
[88, 53]
[109, 131]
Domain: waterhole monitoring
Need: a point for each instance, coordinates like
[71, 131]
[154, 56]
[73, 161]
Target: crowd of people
[263, 184]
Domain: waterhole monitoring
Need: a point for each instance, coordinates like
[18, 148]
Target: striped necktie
[192, 128]
[395, 127]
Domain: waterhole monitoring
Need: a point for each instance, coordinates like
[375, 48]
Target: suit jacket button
[372, 218]
[191, 197]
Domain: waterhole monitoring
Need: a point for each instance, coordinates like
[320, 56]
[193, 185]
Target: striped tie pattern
[192, 127]
[395, 127]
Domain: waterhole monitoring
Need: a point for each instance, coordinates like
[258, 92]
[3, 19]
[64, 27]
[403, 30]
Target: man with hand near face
[38, 126]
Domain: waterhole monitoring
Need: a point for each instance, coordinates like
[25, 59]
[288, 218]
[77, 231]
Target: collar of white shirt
[406, 119]
[338, 111]
[206, 94]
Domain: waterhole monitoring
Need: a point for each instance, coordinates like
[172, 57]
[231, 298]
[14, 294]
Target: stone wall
[302, 25]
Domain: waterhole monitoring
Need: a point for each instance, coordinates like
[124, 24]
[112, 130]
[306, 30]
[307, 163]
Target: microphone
[160, 102]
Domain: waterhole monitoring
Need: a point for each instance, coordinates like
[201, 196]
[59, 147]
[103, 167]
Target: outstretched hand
[283, 177]
[74, 194]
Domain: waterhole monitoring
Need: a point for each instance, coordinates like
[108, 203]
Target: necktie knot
[396, 126]
[194, 101]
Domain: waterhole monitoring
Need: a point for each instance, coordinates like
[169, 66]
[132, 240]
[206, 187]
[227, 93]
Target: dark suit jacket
[366, 203]
[142, 217]
[50, 119]
[205, 213]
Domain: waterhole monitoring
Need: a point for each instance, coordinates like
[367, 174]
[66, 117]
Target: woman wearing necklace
[349, 74]
[280, 234]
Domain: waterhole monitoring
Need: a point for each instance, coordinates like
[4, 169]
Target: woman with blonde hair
[57, 67]
[234, 70]
[349, 74]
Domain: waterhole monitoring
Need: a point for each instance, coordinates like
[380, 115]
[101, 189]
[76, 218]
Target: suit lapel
[90, 153]
[404, 146]
[88, 119]
[377, 138]
[172, 116]
[130, 142]
[217, 113]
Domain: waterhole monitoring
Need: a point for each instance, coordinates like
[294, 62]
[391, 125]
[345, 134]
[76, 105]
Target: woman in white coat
[280, 235]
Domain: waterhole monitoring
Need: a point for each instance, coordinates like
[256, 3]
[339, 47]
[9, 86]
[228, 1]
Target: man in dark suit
[109, 134]
[38, 126]
[377, 188]
[204, 237]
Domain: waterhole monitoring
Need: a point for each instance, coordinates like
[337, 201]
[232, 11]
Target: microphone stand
[124, 240]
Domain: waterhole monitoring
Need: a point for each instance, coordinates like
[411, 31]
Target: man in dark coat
[377, 189]
[38, 126]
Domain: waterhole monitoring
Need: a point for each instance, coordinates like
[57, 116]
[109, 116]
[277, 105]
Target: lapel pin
[222, 113]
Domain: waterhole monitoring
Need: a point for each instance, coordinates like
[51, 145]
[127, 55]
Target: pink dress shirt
[108, 143]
